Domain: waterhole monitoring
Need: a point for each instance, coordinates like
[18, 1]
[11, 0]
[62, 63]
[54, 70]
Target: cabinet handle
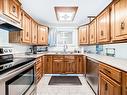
[27, 34]
[13, 9]
[102, 32]
[83, 38]
[106, 87]
[122, 25]
[34, 37]
[42, 38]
[107, 71]
[92, 36]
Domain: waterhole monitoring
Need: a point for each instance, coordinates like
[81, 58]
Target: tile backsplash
[120, 49]
[4, 41]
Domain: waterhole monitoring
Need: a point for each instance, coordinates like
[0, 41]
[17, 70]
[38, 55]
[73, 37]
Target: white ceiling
[43, 10]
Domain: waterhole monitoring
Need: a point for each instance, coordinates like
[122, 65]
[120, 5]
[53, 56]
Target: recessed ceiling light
[65, 13]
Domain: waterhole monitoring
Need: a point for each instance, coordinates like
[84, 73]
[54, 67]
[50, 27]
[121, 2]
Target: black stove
[8, 62]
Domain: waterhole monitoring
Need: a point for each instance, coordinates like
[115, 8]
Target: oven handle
[17, 71]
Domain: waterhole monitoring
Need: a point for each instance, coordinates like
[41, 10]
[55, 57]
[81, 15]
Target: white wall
[4, 41]
[120, 49]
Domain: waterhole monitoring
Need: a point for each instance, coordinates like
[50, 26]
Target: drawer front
[58, 57]
[69, 57]
[111, 72]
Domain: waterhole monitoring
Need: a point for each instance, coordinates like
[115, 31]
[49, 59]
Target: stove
[8, 62]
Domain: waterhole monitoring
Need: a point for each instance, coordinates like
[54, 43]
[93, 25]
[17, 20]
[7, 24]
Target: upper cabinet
[42, 35]
[26, 24]
[34, 32]
[11, 8]
[119, 20]
[92, 32]
[83, 35]
[103, 26]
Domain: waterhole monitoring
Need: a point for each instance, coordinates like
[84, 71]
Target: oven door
[21, 83]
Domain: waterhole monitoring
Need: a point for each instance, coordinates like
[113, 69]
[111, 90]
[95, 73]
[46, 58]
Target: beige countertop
[112, 61]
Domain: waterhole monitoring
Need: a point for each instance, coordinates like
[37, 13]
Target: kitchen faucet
[65, 48]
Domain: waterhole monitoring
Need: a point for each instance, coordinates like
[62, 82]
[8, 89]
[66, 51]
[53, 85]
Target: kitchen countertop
[112, 61]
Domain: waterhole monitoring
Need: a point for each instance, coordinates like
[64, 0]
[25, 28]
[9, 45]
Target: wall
[4, 41]
[120, 49]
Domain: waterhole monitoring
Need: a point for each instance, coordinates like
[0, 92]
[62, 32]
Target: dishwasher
[92, 74]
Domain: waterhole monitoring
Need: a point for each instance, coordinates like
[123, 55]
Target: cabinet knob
[122, 25]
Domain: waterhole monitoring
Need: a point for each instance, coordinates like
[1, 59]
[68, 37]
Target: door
[42, 35]
[93, 32]
[79, 64]
[58, 66]
[34, 32]
[48, 65]
[103, 23]
[26, 28]
[108, 86]
[70, 67]
[83, 35]
[120, 20]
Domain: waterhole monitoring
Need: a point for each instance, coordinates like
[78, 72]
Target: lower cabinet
[70, 65]
[63, 64]
[79, 64]
[47, 64]
[109, 86]
[39, 69]
[124, 83]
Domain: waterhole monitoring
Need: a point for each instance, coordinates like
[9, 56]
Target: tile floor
[44, 89]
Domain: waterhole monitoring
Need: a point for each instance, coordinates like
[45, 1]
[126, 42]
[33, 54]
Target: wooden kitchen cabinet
[92, 31]
[108, 86]
[124, 83]
[119, 20]
[34, 32]
[70, 65]
[23, 36]
[42, 35]
[83, 35]
[12, 9]
[39, 69]
[103, 26]
[48, 64]
[58, 64]
[79, 64]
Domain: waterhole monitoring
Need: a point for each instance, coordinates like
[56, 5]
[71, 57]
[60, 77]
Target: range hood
[8, 24]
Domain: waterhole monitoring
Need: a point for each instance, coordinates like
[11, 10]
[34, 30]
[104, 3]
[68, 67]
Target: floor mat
[64, 80]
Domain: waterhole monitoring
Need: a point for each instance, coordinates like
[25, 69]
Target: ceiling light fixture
[65, 13]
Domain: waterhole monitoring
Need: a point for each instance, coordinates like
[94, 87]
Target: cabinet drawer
[58, 57]
[111, 72]
[69, 57]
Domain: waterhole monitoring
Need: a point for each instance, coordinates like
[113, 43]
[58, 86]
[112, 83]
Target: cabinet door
[120, 20]
[93, 32]
[42, 35]
[83, 35]
[12, 8]
[48, 64]
[70, 67]
[103, 22]
[79, 64]
[34, 32]
[58, 66]
[26, 28]
[124, 83]
[108, 86]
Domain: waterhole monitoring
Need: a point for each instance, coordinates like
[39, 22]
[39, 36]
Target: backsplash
[4, 41]
[120, 49]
